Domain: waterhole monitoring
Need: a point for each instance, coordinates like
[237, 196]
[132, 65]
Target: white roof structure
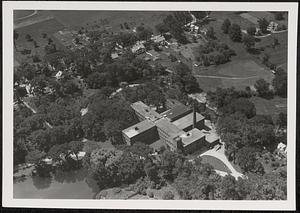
[158, 38]
[138, 46]
[80, 155]
[114, 55]
[58, 74]
[83, 111]
[282, 147]
[47, 161]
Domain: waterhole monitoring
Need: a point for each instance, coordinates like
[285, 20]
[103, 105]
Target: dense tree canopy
[225, 26]
[262, 88]
[235, 33]
[280, 82]
[183, 77]
[263, 25]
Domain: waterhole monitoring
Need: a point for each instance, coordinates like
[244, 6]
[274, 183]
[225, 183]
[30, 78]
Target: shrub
[168, 195]
[150, 194]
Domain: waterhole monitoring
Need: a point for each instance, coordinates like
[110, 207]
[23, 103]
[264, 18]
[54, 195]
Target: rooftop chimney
[194, 114]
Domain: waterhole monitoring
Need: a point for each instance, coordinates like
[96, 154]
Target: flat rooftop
[171, 103]
[211, 137]
[178, 110]
[187, 120]
[138, 128]
[192, 136]
[145, 111]
[167, 127]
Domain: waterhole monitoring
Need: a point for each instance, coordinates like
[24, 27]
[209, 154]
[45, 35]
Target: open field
[270, 107]
[278, 55]
[113, 18]
[35, 30]
[269, 16]
[244, 68]
[19, 14]
[238, 73]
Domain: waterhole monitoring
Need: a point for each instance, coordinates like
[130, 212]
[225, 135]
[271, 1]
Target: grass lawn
[278, 55]
[112, 18]
[245, 72]
[36, 30]
[216, 163]
[270, 107]
[22, 13]
[269, 16]
[245, 67]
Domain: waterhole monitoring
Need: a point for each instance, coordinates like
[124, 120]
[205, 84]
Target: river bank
[23, 171]
[61, 185]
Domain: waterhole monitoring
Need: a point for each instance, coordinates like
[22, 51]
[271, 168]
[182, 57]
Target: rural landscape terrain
[168, 105]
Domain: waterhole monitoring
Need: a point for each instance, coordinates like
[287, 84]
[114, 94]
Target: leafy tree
[270, 186]
[275, 42]
[58, 150]
[247, 160]
[112, 131]
[282, 120]
[16, 36]
[263, 25]
[235, 33]
[168, 195]
[232, 189]
[50, 48]
[280, 82]
[20, 151]
[151, 171]
[184, 79]
[25, 70]
[200, 14]
[75, 147]
[251, 30]
[143, 33]
[197, 181]
[249, 42]
[278, 16]
[34, 156]
[183, 17]
[168, 165]
[28, 37]
[96, 80]
[265, 58]
[262, 87]
[126, 39]
[161, 28]
[225, 26]
[241, 105]
[262, 119]
[175, 29]
[73, 128]
[138, 148]
[211, 33]
[221, 97]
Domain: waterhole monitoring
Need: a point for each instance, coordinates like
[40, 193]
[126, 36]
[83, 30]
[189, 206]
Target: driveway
[219, 153]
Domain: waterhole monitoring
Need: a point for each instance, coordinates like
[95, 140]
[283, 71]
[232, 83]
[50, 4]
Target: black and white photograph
[154, 104]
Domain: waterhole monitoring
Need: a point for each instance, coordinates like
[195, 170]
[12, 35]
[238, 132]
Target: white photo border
[7, 167]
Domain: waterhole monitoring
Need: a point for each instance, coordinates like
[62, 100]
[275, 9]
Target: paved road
[223, 77]
[220, 154]
[24, 17]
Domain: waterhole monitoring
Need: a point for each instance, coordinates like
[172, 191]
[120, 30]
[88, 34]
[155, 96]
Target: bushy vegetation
[214, 52]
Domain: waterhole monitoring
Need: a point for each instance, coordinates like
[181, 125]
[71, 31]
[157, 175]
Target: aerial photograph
[155, 105]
